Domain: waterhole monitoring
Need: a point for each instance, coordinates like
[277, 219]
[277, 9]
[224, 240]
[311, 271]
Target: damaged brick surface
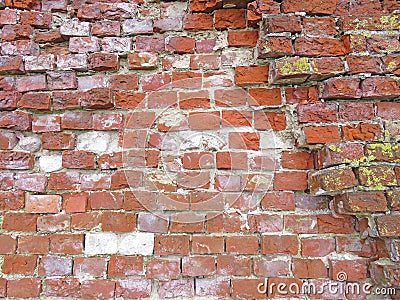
[165, 149]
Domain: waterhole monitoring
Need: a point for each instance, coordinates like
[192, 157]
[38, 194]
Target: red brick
[33, 244]
[105, 200]
[8, 16]
[186, 80]
[242, 38]
[9, 100]
[19, 264]
[118, 221]
[205, 61]
[19, 221]
[212, 287]
[388, 225]
[95, 289]
[198, 22]
[124, 82]
[152, 223]
[17, 32]
[246, 75]
[198, 266]
[156, 81]
[84, 44]
[133, 288]
[244, 140]
[275, 46]
[204, 200]
[265, 223]
[265, 97]
[8, 244]
[312, 7]
[77, 120]
[329, 224]
[278, 200]
[23, 287]
[207, 244]
[231, 160]
[319, 26]
[363, 64]
[321, 134]
[163, 269]
[279, 244]
[53, 223]
[171, 244]
[178, 287]
[309, 268]
[382, 44]
[66, 243]
[103, 62]
[63, 287]
[290, 180]
[317, 246]
[46, 123]
[247, 289]
[204, 120]
[150, 43]
[236, 118]
[237, 265]
[63, 181]
[377, 176]
[270, 266]
[39, 101]
[355, 269]
[43, 204]
[120, 266]
[283, 24]
[242, 244]
[230, 97]
[11, 64]
[205, 6]
[90, 266]
[55, 266]
[230, 18]
[78, 159]
[85, 221]
[380, 88]
[320, 46]
[362, 131]
[181, 44]
[389, 110]
[223, 222]
[15, 160]
[12, 200]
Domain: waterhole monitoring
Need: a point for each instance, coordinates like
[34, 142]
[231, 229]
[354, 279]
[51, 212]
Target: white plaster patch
[50, 163]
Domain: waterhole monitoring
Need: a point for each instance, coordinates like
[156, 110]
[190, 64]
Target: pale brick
[116, 44]
[39, 62]
[132, 26]
[72, 62]
[101, 243]
[50, 163]
[136, 243]
[75, 28]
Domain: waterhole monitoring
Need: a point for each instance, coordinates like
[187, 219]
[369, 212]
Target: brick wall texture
[164, 149]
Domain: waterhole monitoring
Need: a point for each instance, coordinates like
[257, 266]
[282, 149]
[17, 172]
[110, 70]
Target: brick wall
[163, 149]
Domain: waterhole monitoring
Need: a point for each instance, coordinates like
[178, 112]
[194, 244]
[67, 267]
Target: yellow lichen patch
[391, 66]
[378, 178]
[302, 64]
[334, 148]
[295, 66]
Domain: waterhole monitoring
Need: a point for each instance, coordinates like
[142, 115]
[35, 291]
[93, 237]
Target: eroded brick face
[165, 149]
